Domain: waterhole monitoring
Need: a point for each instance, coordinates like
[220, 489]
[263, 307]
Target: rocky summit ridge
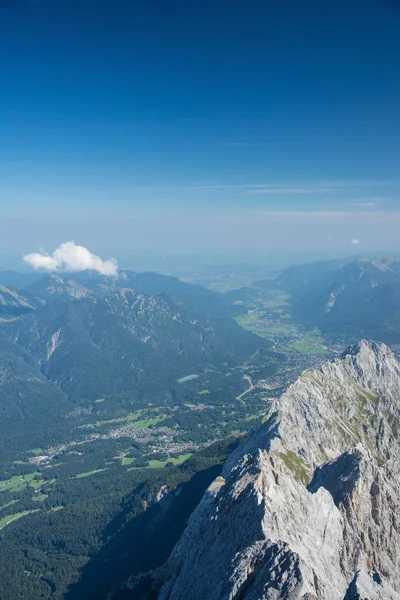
[307, 508]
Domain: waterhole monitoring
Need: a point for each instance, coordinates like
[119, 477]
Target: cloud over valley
[69, 257]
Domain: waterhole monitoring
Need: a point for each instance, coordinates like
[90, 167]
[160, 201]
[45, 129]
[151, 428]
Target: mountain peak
[367, 352]
[364, 346]
[288, 517]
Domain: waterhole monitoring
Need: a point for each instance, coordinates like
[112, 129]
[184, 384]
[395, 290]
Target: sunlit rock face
[308, 507]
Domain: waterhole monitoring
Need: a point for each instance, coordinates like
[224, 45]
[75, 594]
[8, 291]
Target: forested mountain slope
[127, 344]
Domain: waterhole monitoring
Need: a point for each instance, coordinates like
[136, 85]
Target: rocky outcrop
[308, 507]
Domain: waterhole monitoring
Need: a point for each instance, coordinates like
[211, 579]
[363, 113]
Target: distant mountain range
[15, 278]
[354, 297]
[66, 342]
[23, 292]
[124, 343]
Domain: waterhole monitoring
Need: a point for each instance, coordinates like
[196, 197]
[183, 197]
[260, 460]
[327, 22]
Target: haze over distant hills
[350, 297]
[346, 297]
[22, 292]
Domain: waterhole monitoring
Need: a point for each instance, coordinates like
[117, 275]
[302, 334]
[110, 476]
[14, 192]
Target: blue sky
[212, 126]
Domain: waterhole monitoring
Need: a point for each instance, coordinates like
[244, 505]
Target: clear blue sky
[200, 126]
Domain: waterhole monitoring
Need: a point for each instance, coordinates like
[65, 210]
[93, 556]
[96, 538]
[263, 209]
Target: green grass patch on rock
[296, 465]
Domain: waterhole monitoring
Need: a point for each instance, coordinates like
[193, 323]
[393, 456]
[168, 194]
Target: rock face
[309, 506]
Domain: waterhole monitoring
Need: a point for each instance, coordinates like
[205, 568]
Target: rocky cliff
[308, 507]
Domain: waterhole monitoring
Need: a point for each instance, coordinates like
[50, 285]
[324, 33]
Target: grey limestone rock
[307, 508]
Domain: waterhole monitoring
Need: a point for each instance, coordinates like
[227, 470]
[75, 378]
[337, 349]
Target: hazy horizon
[183, 264]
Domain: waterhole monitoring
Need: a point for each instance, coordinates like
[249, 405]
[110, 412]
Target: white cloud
[363, 204]
[355, 241]
[372, 216]
[289, 190]
[70, 257]
[313, 186]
